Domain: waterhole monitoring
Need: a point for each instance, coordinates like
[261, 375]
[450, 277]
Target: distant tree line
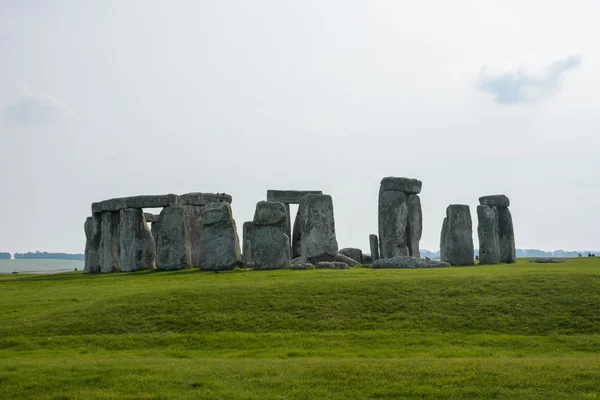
[38, 255]
[4, 256]
[524, 253]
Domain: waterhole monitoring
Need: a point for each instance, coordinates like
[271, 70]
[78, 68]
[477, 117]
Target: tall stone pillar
[110, 259]
[456, 246]
[137, 247]
[92, 244]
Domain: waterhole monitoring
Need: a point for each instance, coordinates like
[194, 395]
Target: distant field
[9, 266]
[524, 331]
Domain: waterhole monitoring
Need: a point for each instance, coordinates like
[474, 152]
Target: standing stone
[487, 230]
[506, 236]
[110, 260]
[247, 231]
[456, 247]
[92, 244]
[415, 225]
[353, 253]
[219, 243]
[317, 228]
[138, 251]
[288, 224]
[154, 229]
[193, 224]
[393, 220]
[296, 239]
[374, 244]
[270, 243]
[173, 246]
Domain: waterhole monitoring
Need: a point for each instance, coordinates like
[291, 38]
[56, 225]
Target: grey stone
[407, 262]
[92, 244]
[288, 225]
[151, 217]
[487, 230]
[303, 266]
[506, 236]
[353, 253]
[154, 229]
[219, 242]
[374, 244]
[497, 200]
[547, 260]
[299, 260]
[397, 184]
[193, 224]
[110, 259]
[317, 228]
[415, 225]
[138, 251]
[173, 246]
[456, 247]
[270, 213]
[331, 265]
[289, 196]
[347, 260]
[202, 199]
[393, 220]
[296, 239]
[247, 232]
[270, 247]
[117, 204]
[367, 259]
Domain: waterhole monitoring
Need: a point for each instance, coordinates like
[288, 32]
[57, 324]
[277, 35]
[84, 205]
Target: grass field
[527, 331]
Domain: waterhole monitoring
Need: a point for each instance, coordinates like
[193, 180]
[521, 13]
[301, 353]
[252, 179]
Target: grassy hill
[507, 331]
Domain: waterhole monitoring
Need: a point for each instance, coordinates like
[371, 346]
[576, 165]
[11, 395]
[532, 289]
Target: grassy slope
[518, 331]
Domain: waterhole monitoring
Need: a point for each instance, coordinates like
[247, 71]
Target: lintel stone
[120, 203]
[289, 196]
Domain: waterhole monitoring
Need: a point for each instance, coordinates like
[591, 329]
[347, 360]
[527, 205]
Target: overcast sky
[102, 99]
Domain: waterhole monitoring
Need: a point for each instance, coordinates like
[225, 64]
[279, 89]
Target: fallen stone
[331, 265]
[374, 244]
[506, 236]
[317, 228]
[270, 213]
[117, 204]
[110, 259]
[202, 199]
[407, 262]
[138, 251]
[367, 259]
[393, 219]
[270, 247]
[247, 231]
[173, 246]
[405, 185]
[303, 266]
[289, 196]
[414, 225]
[352, 253]
[151, 217]
[347, 260]
[92, 244]
[456, 247]
[487, 231]
[193, 224]
[498, 200]
[547, 260]
[219, 243]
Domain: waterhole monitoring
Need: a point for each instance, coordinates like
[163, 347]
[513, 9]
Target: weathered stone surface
[303, 266]
[353, 253]
[299, 260]
[202, 199]
[397, 184]
[173, 246]
[219, 243]
[331, 265]
[506, 236]
[289, 196]
[414, 225]
[138, 251]
[347, 260]
[92, 244]
[110, 260]
[117, 204]
[374, 244]
[407, 262]
[367, 259]
[193, 224]
[151, 217]
[456, 247]
[270, 247]
[154, 229]
[288, 225]
[393, 219]
[270, 213]
[296, 239]
[547, 260]
[487, 230]
[317, 228]
[247, 232]
[497, 200]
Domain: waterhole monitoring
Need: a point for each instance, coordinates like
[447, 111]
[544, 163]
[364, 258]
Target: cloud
[27, 108]
[523, 86]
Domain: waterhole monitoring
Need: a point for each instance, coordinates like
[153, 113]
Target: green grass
[528, 331]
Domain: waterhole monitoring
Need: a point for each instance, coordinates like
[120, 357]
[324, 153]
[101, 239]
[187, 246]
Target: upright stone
[110, 260]
[193, 224]
[270, 243]
[393, 220]
[92, 244]
[154, 229]
[173, 246]
[374, 244]
[506, 236]
[415, 225]
[317, 228]
[219, 243]
[296, 239]
[247, 231]
[487, 230]
[138, 251]
[456, 247]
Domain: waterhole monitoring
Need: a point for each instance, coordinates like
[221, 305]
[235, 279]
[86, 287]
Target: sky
[102, 99]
